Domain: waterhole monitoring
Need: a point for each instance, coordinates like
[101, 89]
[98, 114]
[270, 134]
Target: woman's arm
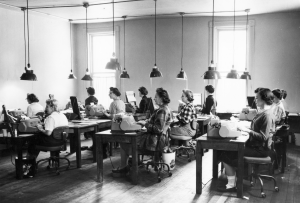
[142, 107]
[266, 127]
[42, 130]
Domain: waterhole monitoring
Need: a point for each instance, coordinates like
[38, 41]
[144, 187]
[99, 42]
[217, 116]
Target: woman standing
[209, 105]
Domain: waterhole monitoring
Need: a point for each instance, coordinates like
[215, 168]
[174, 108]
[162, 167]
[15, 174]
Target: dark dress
[209, 102]
[260, 139]
[91, 99]
[143, 107]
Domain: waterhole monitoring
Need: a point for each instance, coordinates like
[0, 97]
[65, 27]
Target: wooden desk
[93, 125]
[107, 136]
[204, 142]
[203, 122]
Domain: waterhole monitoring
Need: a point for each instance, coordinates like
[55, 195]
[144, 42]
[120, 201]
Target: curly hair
[189, 95]
[52, 103]
[266, 95]
[284, 94]
[90, 90]
[32, 98]
[277, 93]
[163, 94]
[210, 89]
[143, 90]
[115, 91]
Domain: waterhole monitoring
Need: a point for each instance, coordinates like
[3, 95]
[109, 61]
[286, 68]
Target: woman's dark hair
[189, 95]
[284, 94]
[163, 94]
[277, 93]
[257, 90]
[32, 98]
[210, 89]
[266, 95]
[90, 90]
[143, 90]
[115, 91]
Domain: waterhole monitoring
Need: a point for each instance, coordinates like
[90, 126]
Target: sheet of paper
[130, 96]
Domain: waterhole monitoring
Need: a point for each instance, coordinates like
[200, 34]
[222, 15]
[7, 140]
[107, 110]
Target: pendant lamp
[246, 74]
[87, 75]
[124, 73]
[113, 64]
[28, 75]
[212, 73]
[71, 76]
[233, 74]
[181, 75]
[155, 73]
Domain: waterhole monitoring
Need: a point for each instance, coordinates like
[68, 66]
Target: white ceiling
[146, 7]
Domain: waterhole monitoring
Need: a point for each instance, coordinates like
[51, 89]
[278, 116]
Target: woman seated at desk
[260, 138]
[54, 120]
[143, 107]
[91, 98]
[157, 124]
[209, 105]
[34, 106]
[278, 108]
[186, 115]
[117, 106]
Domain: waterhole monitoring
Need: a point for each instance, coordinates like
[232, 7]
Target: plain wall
[49, 58]
[276, 61]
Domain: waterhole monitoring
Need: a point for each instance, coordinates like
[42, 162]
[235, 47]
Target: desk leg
[94, 141]
[283, 161]
[240, 174]
[134, 176]
[99, 156]
[199, 168]
[215, 163]
[78, 147]
[19, 163]
[72, 143]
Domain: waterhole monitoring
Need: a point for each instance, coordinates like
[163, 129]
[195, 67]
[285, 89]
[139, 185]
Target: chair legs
[185, 149]
[158, 166]
[53, 161]
[256, 176]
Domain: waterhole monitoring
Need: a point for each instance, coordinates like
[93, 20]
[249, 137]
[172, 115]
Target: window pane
[226, 41]
[102, 48]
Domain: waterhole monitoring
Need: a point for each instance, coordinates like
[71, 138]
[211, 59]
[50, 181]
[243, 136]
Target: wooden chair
[59, 133]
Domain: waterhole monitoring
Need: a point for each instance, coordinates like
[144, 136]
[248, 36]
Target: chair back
[60, 133]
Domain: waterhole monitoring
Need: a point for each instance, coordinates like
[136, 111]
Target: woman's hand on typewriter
[40, 127]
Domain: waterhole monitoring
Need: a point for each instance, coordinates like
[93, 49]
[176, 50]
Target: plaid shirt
[159, 121]
[187, 113]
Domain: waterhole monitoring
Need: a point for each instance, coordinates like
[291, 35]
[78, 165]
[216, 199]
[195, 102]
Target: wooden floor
[79, 185]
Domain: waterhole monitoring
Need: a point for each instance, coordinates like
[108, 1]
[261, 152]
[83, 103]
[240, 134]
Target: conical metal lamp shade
[124, 74]
[211, 74]
[28, 75]
[233, 74]
[72, 76]
[246, 76]
[87, 76]
[181, 75]
[113, 64]
[155, 73]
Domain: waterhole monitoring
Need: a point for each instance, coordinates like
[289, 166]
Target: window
[101, 49]
[231, 94]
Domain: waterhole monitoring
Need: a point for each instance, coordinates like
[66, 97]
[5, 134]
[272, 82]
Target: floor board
[79, 185]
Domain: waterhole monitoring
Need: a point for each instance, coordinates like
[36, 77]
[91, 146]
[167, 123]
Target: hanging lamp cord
[28, 65]
[155, 34]
[181, 39]
[25, 35]
[124, 41]
[246, 66]
[113, 27]
[233, 36]
[71, 46]
[86, 32]
[213, 27]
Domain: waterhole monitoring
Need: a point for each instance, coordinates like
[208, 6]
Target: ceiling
[142, 8]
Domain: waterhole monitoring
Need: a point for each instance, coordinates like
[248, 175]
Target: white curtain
[231, 95]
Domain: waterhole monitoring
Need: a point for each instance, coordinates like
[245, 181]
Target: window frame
[228, 25]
